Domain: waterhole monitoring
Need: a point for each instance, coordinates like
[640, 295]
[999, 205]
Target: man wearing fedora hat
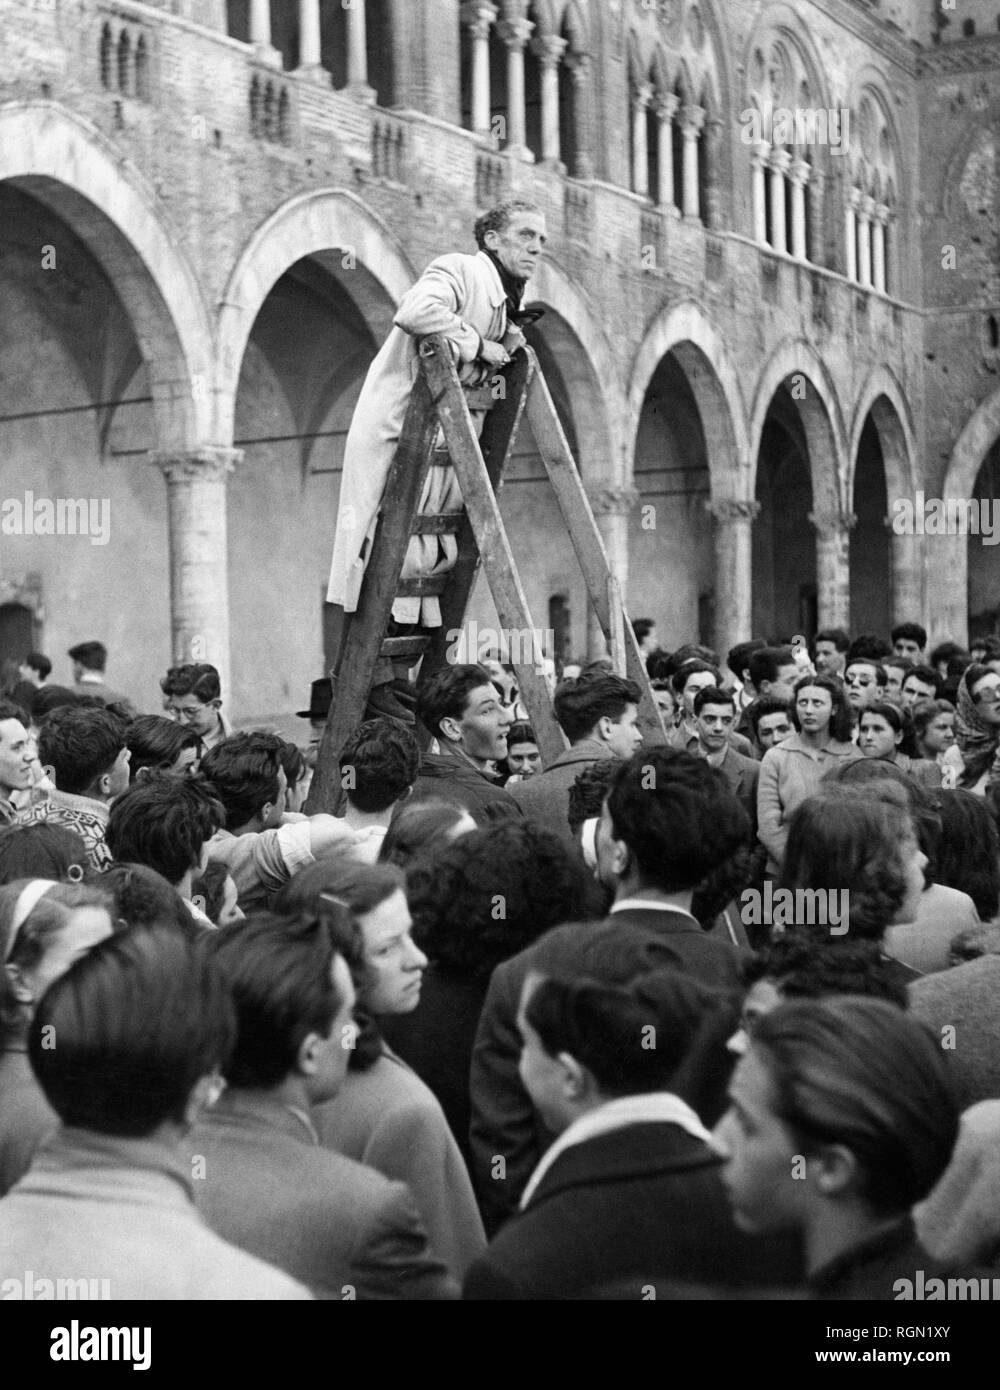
[320, 697]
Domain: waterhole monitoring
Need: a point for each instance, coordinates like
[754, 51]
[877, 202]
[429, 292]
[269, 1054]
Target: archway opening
[784, 546]
[984, 568]
[871, 557]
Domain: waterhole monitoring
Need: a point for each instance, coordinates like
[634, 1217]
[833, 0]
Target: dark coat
[436, 1041]
[742, 774]
[545, 797]
[449, 777]
[643, 1204]
[869, 1269]
[503, 1121]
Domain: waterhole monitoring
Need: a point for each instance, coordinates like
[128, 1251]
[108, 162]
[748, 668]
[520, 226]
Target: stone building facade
[771, 304]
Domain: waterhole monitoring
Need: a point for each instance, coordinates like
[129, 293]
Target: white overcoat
[462, 298]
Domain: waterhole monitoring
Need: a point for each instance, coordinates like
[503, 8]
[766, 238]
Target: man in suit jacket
[266, 1183]
[715, 717]
[472, 301]
[667, 823]
[597, 713]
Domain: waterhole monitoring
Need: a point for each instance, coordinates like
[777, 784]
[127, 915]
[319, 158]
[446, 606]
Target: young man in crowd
[691, 677]
[194, 697]
[667, 823]
[378, 766]
[773, 673]
[143, 1027]
[897, 668]
[598, 715]
[920, 683]
[460, 707]
[715, 715]
[738, 662]
[261, 850]
[89, 662]
[865, 683]
[335, 1225]
[17, 757]
[910, 640]
[769, 722]
[85, 748]
[830, 651]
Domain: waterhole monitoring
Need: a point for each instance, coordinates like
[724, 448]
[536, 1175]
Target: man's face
[698, 680]
[914, 690]
[524, 759]
[273, 817]
[650, 642]
[519, 246]
[876, 736]
[759, 1171]
[714, 725]
[15, 757]
[666, 705]
[772, 728]
[829, 662]
[484, 725]
[906, 646]
[623, 736]
[894, 681]
[783, 685]
[861, 684]
[333, 1054]
[393, 961]
[199, 715]
[986, 694]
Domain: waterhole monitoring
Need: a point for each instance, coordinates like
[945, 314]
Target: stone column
[712, 137]
[851, 233]
[515, 34]
[641, 98]
[550, 49]
[665, 111]
[798, 173]
[579, 67]
[778, 164]
[357, 53]
[199, 584]
[758, 163]
[833, 570]
[611, 506]
[816, 248]
[878, 247]
[310, 46]
[734, 518]
[865, 240]
[479, 16]
[692, 120]
[907, 560]
[260, 33]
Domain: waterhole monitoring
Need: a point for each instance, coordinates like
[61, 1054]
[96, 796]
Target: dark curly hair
[968, 855]
[805, 968]
[482, 899]
[841, 716]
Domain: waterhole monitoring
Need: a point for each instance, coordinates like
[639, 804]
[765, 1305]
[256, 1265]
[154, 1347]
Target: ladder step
[479, 397]
[394, 648]
[422, 588]
[436, 524]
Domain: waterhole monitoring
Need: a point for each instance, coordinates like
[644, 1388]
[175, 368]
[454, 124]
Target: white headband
[28, 899]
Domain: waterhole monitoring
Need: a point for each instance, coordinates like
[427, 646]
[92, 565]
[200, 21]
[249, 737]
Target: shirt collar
[69, 802]
[651, 905]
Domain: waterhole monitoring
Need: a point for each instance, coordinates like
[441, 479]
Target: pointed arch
[816, 398]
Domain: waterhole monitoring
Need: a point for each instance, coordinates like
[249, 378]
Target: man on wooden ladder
[475, 302]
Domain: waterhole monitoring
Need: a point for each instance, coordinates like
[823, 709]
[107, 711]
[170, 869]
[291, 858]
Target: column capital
[760, 153]
[728, 510]
[667, 106]
[613, 500]
[799, 171]
[516, 33]
[867, 208]
[854, 198]
[579, 67]
[478, 16]
[209, 464]
[692, 120]
[779, 161]
[833, 523]
[549, 49]
[642, 94]
[881, 213]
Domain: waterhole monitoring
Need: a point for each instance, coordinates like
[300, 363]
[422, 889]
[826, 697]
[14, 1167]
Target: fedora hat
[320, 696]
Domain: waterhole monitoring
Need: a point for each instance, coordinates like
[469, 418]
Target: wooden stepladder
[439, 402]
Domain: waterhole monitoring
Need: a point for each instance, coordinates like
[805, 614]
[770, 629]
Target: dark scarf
[513, 288]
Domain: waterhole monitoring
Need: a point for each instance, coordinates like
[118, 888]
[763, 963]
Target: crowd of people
[707, 1018]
